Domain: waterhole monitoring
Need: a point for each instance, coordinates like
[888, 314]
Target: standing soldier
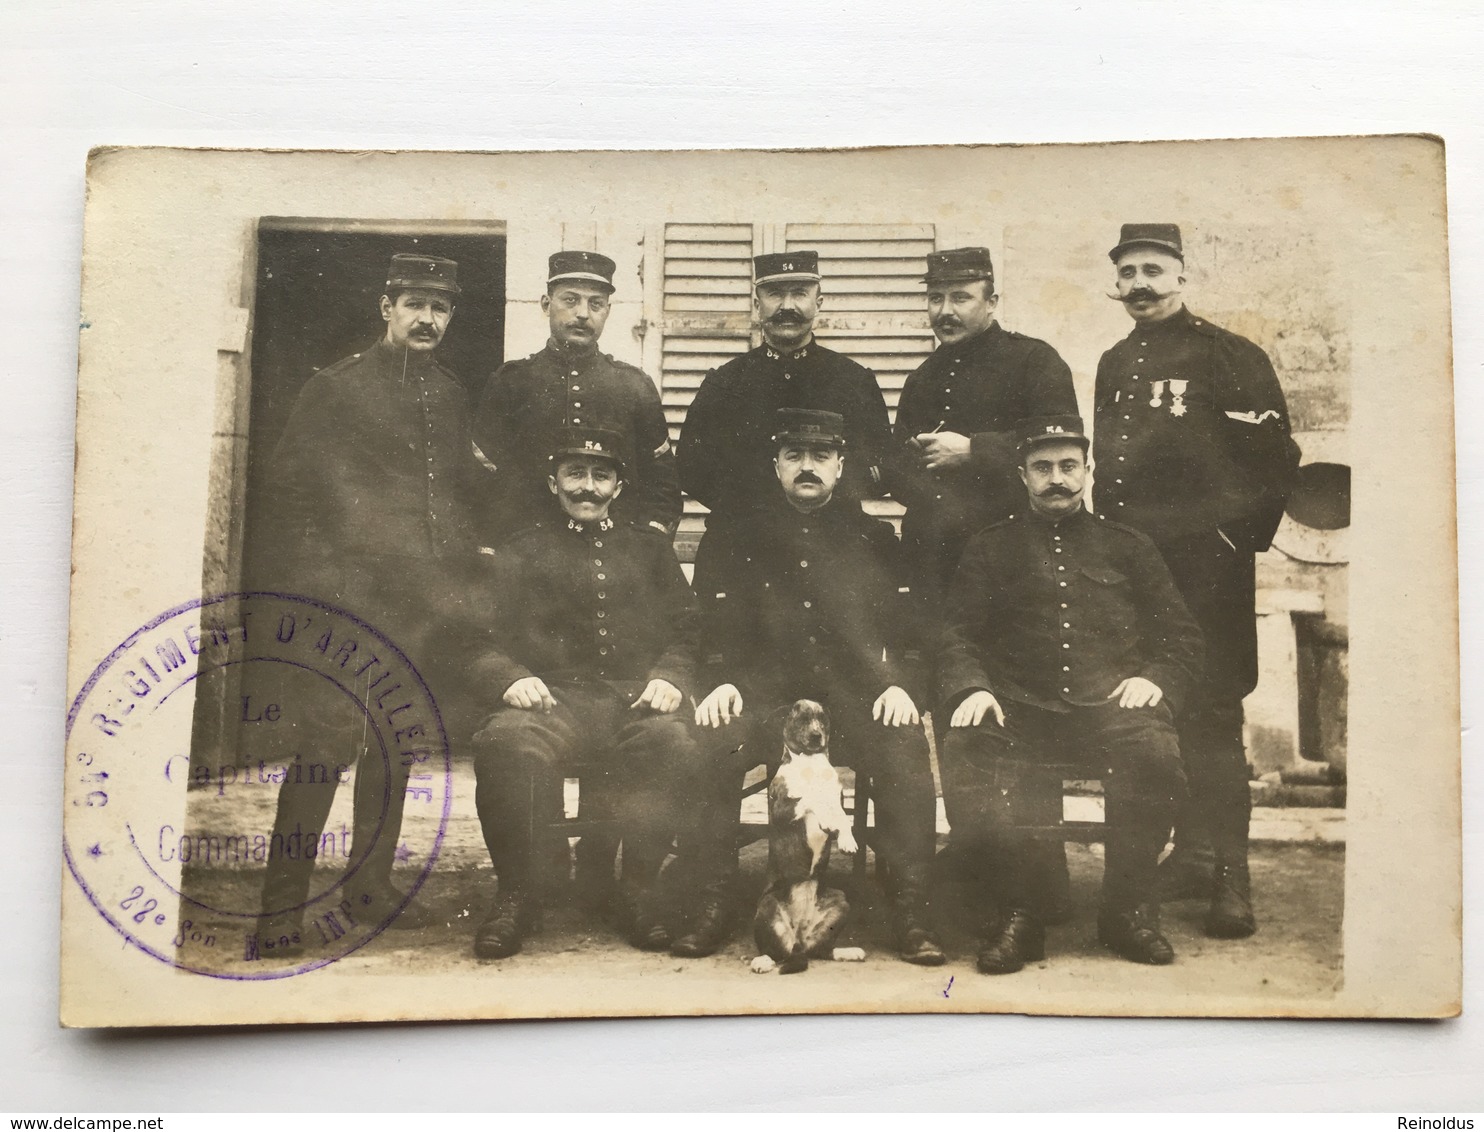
[726, 447]
[570, 384]
[1193, 438]
[372, 488]
[958, 414]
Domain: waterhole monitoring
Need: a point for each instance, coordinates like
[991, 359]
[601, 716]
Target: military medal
[1158, 390]
[1177, 398]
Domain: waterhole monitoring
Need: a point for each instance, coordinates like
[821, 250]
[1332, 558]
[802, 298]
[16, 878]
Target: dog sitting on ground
[796, 918]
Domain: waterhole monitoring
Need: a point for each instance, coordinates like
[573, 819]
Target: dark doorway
[316, 300]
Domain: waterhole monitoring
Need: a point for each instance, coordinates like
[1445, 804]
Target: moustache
[808, 477]
[1142, 295]
[791, 318]
[585, 497]
[947, 322]
[1058, 491]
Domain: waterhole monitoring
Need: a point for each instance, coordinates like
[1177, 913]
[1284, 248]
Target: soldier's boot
[912, 925]
[381, 902]
[1128, 922]
[1134, 934]
[639, 914]
[503, 931]
[281, 935]
[712, 921]
[1230, 915]
[1011, 942]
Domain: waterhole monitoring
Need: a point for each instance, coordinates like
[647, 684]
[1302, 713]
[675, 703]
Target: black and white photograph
[897, 580]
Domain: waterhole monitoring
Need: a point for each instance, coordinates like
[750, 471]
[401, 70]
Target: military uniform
[527, 402]
[813, 606]
[1050, 616]
[1193, 448]
[596, 610]
[979, 388]
[373, 491]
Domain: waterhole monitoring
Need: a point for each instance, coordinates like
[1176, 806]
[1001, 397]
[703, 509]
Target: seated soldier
[1066, 639]
[804, 599]
[592, 652]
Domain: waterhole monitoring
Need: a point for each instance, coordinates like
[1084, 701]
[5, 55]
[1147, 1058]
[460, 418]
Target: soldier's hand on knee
[1136, 692]
[894, 707]
[529, 694]
[974, 707]
[722, 706]
[660, 696]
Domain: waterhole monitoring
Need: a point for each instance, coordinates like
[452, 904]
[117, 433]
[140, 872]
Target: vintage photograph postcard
[932, 580]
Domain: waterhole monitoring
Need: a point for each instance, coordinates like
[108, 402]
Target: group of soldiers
[522, 556]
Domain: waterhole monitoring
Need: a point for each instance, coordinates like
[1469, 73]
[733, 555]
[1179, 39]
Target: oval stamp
[212, 762]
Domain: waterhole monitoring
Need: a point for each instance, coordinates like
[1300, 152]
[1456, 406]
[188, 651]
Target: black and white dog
[796, 918]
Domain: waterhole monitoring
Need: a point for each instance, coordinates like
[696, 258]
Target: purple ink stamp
[258, 784]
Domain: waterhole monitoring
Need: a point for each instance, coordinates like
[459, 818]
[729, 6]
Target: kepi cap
[959, 265]
[409, 270]
[777, 266]
[586, 441]
[809, 426]
[590, 267]
[1043, 430]
[1163, 237]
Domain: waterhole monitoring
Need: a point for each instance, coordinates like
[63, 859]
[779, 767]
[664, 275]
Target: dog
[797, 919]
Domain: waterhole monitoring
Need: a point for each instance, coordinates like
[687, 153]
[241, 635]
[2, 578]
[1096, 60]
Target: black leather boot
[1230, 915]
[912, 922]
[1134, 934]
[711, 924]
[378, 903]
[1011, 944]
[1187, 873]
[637, 917]
[503, 931]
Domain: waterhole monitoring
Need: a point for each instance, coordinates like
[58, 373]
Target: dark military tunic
[1193, 448]
[981, 388]
[726, 451]
[588, 602]
[375, 460]
[799, 604]
[1058, 614]
[526, 402]
[1192, 434]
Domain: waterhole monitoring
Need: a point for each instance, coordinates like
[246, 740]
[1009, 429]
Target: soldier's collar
[988, 334]
[573, 353]
[793, 355]
[1177, 321]
[602, 525]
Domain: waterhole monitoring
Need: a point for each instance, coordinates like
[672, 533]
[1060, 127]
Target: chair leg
[860, 826]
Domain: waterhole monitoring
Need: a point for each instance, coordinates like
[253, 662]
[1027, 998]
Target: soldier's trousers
[520, 756]
[896, 759]
[1218, 585]
[993, 782]
[417, 603]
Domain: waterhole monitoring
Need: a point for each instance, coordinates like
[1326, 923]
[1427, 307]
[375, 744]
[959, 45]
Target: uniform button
[1125, 416]
[1120, 503]
[597, 562]
[1058, 549]
[812, 641]
[1068, 691]
[574, 374]
[938, 497]
[1117, 481]
[804, 562]
[1062, 568]
[1123, 437]
[602, 577]
[603, 652]
[1064, 645]
[1141, 359]
[598, 543]
[804, 529]
[1063, 605]
[1063, 585]
[949, 389]
[1066, 668]
[602, 613]
[808, 605]
[578, 420]
[577, 404]
[788, 377]
[1120, 459]
[602, 632]
[1066, 624]
[601, 595]
[576, 388]
[1143, 343]
[1136, 377]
